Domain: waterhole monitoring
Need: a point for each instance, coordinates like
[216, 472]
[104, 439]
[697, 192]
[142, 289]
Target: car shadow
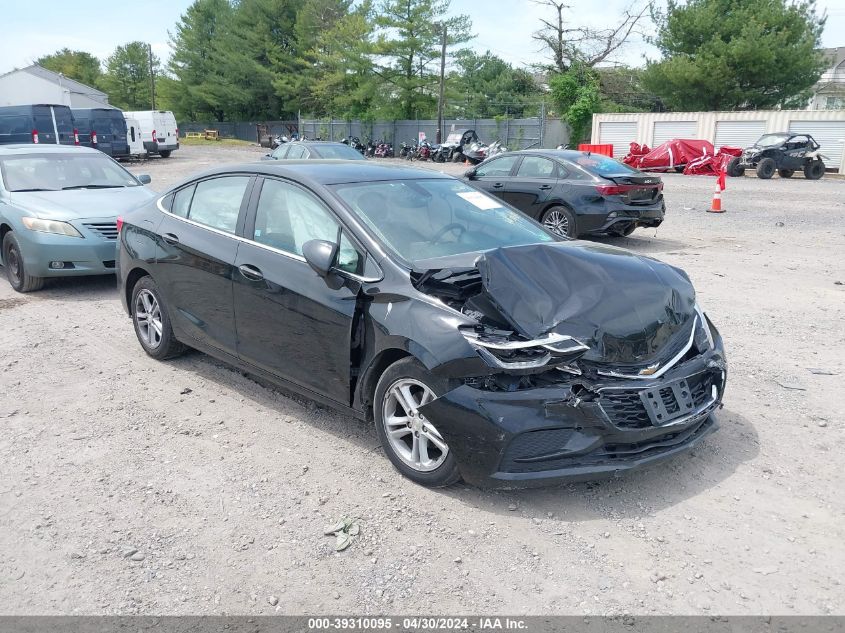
[635, 494]
[96, 287]
[643, 243]
[631, 495]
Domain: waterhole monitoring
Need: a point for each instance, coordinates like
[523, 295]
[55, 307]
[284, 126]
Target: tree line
[380, 59]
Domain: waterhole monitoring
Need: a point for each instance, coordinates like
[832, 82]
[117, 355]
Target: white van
[158, 130]
[134, 139]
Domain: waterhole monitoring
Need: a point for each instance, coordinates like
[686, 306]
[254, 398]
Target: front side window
[217, 202]
[496, 167]
[279, 152]
[296, 151]
[57, 172]
[288, 216]
[536, 167]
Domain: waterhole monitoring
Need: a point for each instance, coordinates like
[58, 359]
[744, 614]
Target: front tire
[560, 221]
[152, 321]
[411, 442]
[16, 273]
[766, 168]
[814, 170]
[735, 170]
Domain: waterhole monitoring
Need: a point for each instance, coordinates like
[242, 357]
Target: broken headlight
[505, 350]
[703, 335]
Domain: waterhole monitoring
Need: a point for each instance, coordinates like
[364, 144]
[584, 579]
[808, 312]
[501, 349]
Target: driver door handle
[251, 272]
[170, 238]
[545, 187]
[498, 185]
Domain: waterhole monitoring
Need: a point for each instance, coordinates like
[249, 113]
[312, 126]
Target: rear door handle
[498, 185]
[170, 238]
[251, 272]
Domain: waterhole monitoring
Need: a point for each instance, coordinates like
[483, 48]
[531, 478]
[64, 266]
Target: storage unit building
[736, 129]
[34, 84]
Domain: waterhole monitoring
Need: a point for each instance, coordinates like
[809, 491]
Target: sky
[502, 26]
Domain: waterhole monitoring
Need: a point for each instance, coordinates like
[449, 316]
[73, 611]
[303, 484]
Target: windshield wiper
[34, 189]
[92, 187]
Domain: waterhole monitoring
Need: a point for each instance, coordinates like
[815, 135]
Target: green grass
[229, 142]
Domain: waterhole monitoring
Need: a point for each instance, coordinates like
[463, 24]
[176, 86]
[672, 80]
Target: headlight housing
[503, 350]
[703, 335]
[50, 226]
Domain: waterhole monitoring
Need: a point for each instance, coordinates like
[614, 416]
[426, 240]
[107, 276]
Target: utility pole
[439, 137]
[152, 76]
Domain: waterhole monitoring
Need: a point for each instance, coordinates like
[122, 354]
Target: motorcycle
[384, 150]
[423, 151]
[370, 149]
[476, 152]
[355, 143]
[407, 149]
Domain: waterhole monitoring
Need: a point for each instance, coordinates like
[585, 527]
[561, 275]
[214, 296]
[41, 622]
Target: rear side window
[217, 202]
[297, 151]
[182, 201]
[281, 152]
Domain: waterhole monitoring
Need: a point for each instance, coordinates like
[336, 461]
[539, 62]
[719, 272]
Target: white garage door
[667, 130]
[829, 134]
[618, 133]
[738, 133]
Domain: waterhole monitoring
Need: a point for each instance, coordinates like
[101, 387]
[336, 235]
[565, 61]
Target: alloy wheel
[557, 223]
[148, 318]
[412, 437]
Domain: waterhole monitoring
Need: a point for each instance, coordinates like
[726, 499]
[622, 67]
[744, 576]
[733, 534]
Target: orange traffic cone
[716, 205]
[466, 162]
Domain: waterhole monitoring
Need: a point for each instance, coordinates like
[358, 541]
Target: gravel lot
[129, 486]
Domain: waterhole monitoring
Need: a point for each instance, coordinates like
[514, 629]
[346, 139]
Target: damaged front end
[595, 361]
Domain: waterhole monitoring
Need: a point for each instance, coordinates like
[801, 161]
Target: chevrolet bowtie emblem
[648, 371]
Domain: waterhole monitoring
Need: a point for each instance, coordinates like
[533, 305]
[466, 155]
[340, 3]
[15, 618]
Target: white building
[735, 129]
[35, 84]
[829, 92]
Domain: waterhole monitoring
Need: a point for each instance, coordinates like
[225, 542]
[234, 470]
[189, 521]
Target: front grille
[618, 452]
[625, 409]
[106, 230]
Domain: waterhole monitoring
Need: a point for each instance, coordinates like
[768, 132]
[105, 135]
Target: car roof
[328, 172]
[568, 154]
[317, 143]
[19, 149]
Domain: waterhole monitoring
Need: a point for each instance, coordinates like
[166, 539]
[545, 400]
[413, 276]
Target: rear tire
[560, 221]
[165, 153]
[411, 442]
[735, 170]
[814, 170]
[19, 279]
[786, 173]
[152, 321]
[766, 168]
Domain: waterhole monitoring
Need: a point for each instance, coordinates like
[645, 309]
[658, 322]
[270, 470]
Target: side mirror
[144, 179]
[469, 174]
[320, 255]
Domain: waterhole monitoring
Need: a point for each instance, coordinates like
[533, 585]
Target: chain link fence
[527, 133]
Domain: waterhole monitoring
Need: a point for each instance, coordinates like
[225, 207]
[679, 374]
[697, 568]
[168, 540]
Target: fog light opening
[57, 265]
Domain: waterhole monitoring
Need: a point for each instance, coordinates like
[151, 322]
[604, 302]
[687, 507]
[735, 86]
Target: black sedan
[573, 193]
[299, 150]
[482, 345]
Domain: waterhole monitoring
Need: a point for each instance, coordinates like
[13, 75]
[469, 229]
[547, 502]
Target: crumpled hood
[81, 203]
[626, 307]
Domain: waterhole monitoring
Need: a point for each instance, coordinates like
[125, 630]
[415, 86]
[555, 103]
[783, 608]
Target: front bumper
[582, 429]
[92, 254]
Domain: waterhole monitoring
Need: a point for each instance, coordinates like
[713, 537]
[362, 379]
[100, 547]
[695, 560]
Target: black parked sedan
[573, 193]
[481, 344]
[298, 150]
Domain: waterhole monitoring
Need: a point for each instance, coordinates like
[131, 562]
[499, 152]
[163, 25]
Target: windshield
[602, 165]
[424, 219]
[770, 140]
[55, 172]
[338, 152]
